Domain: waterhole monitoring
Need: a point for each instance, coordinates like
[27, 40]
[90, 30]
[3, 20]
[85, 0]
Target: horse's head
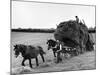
[17, 50]
[51, 43]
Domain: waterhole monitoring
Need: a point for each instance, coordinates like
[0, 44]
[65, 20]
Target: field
[84, 61]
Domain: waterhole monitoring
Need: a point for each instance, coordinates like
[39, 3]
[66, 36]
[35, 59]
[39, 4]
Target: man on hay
[77, 19]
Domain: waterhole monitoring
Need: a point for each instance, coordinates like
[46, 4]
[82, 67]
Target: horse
[52, 44]
[29, 52]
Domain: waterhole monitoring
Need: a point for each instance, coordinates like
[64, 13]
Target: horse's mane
[52, 40]
[23, 47]
[30, 46]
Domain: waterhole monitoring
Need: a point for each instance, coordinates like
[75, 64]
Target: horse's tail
[41, 50]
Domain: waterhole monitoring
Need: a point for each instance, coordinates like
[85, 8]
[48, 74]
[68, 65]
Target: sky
[47, 15]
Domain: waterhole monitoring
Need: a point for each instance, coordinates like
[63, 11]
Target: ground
[84, 61]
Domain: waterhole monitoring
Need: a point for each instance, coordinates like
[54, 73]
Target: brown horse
[29, 52]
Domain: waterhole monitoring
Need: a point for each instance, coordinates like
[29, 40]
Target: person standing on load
[77, 19]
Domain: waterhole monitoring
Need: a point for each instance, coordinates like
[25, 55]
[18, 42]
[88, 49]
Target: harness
[59, 47]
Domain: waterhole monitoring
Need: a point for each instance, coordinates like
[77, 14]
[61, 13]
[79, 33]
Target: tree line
[33, 30]
[90, 30]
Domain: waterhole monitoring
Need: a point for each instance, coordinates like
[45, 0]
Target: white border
[5, 36]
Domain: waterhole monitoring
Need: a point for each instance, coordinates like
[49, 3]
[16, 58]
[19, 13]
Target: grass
[85, 61]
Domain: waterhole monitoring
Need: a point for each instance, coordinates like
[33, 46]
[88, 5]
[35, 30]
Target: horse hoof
[44, 61]
[37, 65]
[23, 65]
[56, 62]
[31, 67]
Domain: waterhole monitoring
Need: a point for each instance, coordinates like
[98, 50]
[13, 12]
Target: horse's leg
[30, 63]
[42, 57]
[23, 62]
[54, 53]
[37, 64]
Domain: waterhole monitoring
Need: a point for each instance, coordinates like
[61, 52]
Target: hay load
[74, 34]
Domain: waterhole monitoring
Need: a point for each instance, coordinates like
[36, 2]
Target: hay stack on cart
[74, 34]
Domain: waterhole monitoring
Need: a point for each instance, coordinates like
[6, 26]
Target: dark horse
[29, 52]
[52, 44]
